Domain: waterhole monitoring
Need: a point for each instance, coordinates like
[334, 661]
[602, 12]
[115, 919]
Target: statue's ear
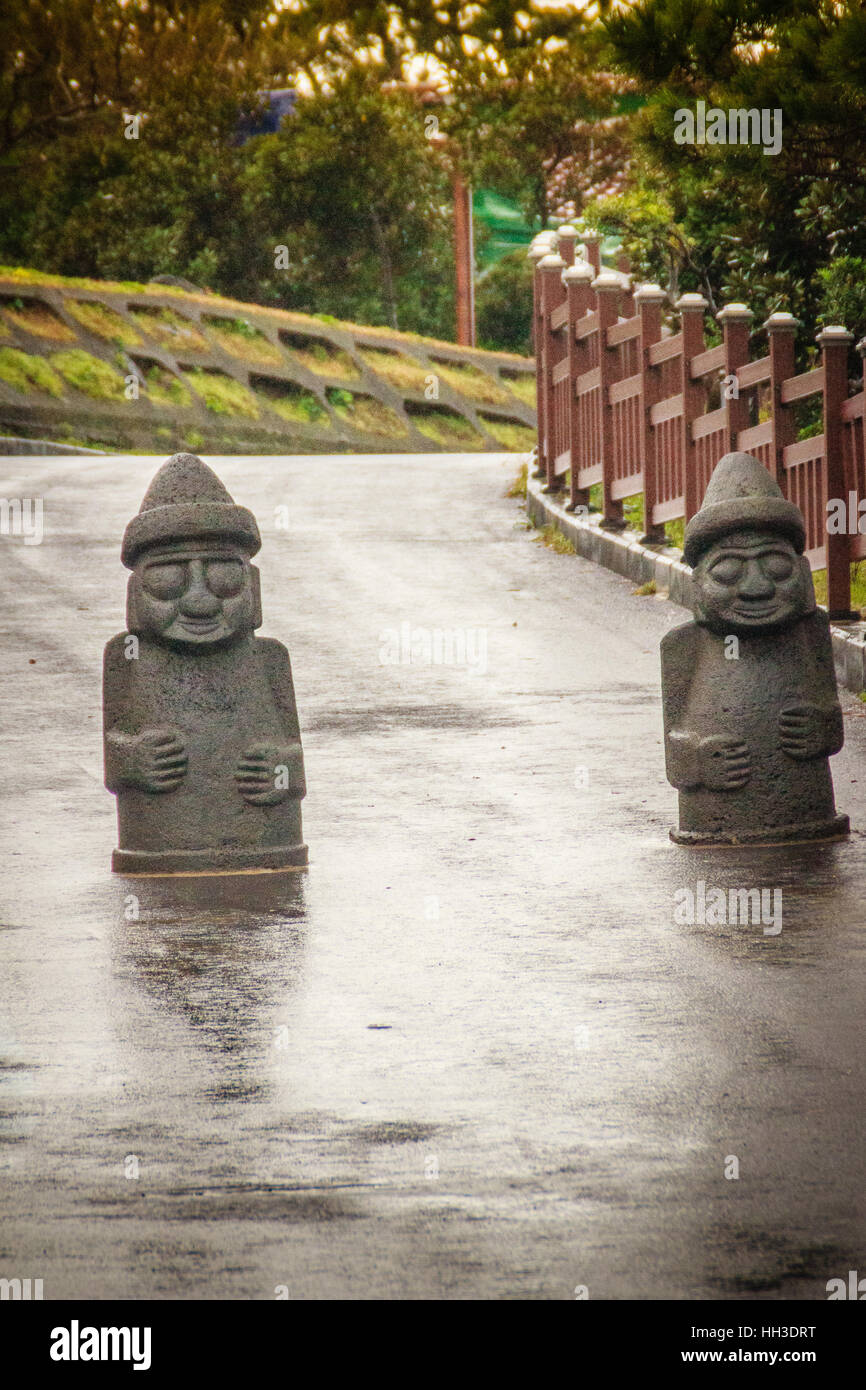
[256, 581]
[698, 609]
[131, 614]
[809, 604]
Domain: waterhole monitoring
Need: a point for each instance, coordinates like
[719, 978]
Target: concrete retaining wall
[369, 390]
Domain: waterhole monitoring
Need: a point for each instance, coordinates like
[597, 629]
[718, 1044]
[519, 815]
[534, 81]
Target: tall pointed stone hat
[186, 500]
[742, 495]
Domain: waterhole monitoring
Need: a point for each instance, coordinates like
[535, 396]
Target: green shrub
[503, 305]
[88, 374]
[843, 294]
[222, 394]
[28, 373]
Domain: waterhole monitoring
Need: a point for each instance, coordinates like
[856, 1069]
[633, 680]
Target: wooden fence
[626, 402]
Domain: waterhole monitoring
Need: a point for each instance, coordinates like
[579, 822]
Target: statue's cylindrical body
[202, 745]
[751, 709]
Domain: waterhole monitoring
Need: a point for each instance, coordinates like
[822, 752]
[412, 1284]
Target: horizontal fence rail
[626, 402]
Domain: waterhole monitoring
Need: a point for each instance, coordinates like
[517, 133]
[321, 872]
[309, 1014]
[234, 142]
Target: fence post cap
[549, 234]
[650, 293]
[781, 320]
[861, 347]
[733, 312]
[551, 261]
[581, 270]
[607, 280]
[692, 301]
[832, 334]
[537, 250]
[590, 234]
[567, 229]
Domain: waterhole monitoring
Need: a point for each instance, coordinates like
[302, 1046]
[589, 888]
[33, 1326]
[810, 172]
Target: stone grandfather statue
[751, 712]
[202, 746]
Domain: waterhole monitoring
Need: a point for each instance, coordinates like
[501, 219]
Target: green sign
[507, 229]
[505, 224]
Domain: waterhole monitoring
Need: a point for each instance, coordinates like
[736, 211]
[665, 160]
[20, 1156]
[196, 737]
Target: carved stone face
[195, 593]
[752, 580]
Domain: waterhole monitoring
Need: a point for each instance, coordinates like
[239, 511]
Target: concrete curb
[622, 552]
[13, 444]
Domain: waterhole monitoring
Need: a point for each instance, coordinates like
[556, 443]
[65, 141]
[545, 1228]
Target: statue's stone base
[140, 863]
[834, 829]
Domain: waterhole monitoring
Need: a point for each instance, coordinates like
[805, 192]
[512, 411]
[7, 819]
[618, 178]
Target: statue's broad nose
[197, 600]
[754, 583]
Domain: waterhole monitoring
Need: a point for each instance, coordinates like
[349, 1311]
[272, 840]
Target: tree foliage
[743, 224]
[69, 65]
[361, 197]
[350, 185]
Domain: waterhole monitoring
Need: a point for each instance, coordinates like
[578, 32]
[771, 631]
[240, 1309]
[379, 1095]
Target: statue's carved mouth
[758, 610]
[200, 624]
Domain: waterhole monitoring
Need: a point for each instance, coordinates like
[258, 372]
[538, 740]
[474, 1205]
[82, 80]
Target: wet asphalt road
[468, 1053]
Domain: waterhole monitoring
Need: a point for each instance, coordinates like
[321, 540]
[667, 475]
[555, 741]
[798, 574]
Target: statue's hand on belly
[153, 760]
[268, 773]
[724, 763]
[718, 762]
[810, 731]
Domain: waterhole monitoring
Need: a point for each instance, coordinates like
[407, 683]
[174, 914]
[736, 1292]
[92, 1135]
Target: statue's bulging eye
[727, 570]
[777, 566]
[225, 578]
[165, 581]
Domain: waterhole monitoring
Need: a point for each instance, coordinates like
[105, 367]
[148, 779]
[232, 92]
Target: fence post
[648, 302]
[607, 291]
[692, 308]
[566, 236]
[541, 245]
[550, 268]
[592, 242]
[577, 279]
[834, 343]
[626, 307]
[735, 320]
[781, 331]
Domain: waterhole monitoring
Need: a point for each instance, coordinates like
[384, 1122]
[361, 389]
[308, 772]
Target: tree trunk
[387, 270]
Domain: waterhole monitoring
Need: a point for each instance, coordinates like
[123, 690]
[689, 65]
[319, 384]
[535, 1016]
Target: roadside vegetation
[445, 427]
[550, 536]
[88, 374]
[222, 394]
[240, 339]
[26, 372]
[366, 413]
[102, 322]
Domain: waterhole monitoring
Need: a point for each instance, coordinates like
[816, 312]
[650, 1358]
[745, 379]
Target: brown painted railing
[626, 402]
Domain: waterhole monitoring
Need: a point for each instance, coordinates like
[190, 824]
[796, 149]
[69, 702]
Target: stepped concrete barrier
[156, 368]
